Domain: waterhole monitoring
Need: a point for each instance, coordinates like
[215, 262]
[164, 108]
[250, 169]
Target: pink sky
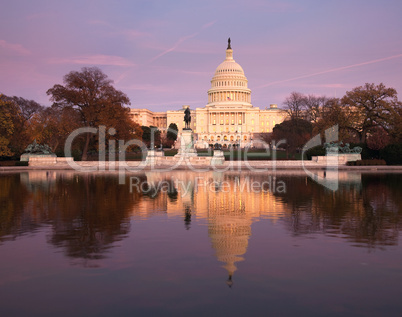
[163, 54]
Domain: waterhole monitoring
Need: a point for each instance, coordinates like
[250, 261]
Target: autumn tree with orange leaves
[92, 95]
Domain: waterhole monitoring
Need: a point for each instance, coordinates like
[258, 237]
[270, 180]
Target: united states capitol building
[229, 118]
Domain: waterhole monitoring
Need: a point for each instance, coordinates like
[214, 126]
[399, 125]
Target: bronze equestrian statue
[187, 119]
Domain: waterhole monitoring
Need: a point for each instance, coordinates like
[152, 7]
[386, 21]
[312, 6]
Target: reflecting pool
[199, 244]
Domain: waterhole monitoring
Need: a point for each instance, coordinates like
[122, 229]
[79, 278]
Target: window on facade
[232, 121]
[221, 121]
[239, 121]
[227, 121]
[214, 121]
[252, 121]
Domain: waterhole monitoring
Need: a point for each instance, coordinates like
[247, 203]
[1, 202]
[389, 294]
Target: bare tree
[28, 107]
[295, 105]
[314, 107]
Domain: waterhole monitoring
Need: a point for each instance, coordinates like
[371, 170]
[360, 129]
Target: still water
[208, 244]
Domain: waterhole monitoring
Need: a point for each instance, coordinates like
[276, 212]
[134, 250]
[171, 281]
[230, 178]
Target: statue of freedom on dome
[187, 118]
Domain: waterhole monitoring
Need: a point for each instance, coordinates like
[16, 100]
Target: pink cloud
[14, 48]
[266, 6]
[324, 85]
[94, 60]
[147, 87]
[130, 33]
[208, 73]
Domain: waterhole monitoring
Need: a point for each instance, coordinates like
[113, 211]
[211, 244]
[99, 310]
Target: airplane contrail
[181, 40]
[332, 70]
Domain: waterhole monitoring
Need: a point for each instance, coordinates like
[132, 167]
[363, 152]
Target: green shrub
[366, 163]
[367, 153]
[392, 154]
[315, 151]
[171, 152]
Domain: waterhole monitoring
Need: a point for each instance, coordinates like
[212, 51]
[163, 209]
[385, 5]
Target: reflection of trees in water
[366, 213]
[17, 215]
[92, 212]
[87, 212]
[382, 203]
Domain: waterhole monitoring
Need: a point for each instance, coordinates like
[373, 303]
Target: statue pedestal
[218, 158]
[343, 158]
[336, 159]
[151, 157]
[186, 144]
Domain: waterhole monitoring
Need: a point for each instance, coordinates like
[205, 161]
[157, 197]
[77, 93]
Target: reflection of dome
[229, 83]
[229, 234]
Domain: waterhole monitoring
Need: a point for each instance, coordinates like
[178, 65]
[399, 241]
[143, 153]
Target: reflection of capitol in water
[88, 212]
[229, 231]
[228, 202]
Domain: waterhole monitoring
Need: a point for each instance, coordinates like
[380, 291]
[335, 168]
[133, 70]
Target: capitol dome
[229, 83]
[229, 67]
